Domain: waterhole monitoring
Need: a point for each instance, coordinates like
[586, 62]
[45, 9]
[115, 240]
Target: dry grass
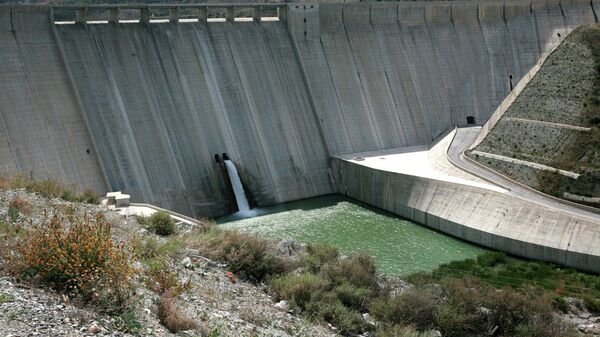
[49, 188]
[171, 317]
[20, 204]
[161, 279]
[77, 258]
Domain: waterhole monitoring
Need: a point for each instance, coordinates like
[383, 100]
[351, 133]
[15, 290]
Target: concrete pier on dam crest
[140, 98]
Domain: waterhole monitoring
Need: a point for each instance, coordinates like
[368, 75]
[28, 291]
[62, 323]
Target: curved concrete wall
[491, 219]
[156, 101]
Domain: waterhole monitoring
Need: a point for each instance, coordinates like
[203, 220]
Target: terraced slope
[549, 139]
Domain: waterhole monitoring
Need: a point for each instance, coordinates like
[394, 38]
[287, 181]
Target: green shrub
[510, 309]
[161, 223]
[319, 255]
[146, 249]
[559, 303]
[592, 304]
[399, 331]
[413, 307]
[491, 259]
[346, 320]
[127, 322]
[245, 254]
[357, 270]
[13, 214]
[299, 289]
[457, 321]
[352, 296]
[89, 197]
[164, 280]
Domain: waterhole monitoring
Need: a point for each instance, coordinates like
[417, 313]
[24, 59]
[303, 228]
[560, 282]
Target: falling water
[238, 189]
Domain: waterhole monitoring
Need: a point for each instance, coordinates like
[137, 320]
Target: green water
[399, 246]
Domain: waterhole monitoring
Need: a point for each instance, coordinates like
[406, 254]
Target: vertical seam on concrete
[3, 121]
[363, 89]
[397, 113]
[594, 11]
[562, 12]
[78, 100]
[307, 88]
[337, 95]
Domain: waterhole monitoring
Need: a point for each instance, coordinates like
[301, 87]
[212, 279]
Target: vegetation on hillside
[49, 188]
[75, 256]
[491, 294]
[464, 298]
[565, 91]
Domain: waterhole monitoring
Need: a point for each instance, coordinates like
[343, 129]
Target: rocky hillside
[218, 304]
[549, 139]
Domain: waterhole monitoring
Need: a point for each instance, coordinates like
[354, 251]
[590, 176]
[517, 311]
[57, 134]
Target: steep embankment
[554, 124]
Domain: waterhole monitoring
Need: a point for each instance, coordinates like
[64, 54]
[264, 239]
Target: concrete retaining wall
[491, 219]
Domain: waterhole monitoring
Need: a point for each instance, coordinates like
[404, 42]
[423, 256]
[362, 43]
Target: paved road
[466, 136]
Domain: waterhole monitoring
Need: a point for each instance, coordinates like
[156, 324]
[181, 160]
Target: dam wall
[154, 102]
[162, 99]
[482, 216]
[42, 126]
[386, 75]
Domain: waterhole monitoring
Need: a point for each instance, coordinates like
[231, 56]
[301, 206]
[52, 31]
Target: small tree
[161, 223]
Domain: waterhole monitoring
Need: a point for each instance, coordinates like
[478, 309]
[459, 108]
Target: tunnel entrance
[470, 120]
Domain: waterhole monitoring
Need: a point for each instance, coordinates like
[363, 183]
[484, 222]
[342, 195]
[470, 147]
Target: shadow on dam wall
[154, 102]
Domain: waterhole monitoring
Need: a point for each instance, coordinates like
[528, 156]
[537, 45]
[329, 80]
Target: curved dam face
[143, 107]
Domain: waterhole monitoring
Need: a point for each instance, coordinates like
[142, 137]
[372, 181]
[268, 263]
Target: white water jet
[238, 189]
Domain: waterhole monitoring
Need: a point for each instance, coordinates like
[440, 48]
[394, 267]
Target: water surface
[399, 246]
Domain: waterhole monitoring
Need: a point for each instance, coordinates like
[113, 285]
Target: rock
[484, 310]
[289, 247]
[94, 329]
[435, 333]
[589, 328]
[368, 318]
[138, 265]
[187, 263]
[283, 305]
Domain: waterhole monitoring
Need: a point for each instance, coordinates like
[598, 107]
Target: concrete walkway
[421, 161]
[527, 163]
[550, 124]
[445, 161]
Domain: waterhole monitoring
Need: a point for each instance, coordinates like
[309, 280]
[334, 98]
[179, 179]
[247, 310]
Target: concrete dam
[143, 106]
